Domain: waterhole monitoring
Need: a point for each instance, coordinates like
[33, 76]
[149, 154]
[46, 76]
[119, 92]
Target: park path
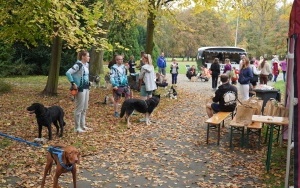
[173, 153]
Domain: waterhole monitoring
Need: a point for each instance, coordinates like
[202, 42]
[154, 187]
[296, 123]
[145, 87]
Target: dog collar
[59, 152]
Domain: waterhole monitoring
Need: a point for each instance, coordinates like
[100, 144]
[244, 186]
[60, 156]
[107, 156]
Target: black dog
[143, 106]
[46, 116]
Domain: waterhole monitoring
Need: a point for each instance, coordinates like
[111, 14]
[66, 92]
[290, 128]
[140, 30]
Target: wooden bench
[215, 121]
[239, 128]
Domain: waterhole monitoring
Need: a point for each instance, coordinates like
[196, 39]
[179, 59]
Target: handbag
[255, 77]
[270, 77]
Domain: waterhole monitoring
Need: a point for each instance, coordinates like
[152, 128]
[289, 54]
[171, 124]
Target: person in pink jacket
[283, 66]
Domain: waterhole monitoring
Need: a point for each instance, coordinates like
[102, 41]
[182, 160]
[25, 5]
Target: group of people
[78, 76]
[248, 75]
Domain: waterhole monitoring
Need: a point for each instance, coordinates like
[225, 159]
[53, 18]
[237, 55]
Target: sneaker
[143, 120]
[87, 128]
[117, 114]
[79, 130]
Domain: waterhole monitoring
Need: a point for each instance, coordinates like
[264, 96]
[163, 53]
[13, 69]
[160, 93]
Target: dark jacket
[215, 69]
[245, 76]
[226, 95]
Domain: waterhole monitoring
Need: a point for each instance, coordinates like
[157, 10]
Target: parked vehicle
[206, 55]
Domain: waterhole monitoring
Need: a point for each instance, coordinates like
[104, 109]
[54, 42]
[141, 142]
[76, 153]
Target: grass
[280, 85]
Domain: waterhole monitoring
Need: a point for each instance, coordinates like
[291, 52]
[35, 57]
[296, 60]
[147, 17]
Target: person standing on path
[275, 69]
[147, 78]
[215, 72]
[78, 75]
[245, 77]
[174, 71]
[265, 70]
[283, 66]
[162, 64]
[119, 81]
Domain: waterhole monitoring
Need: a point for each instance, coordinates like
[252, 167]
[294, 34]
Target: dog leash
[20, 140]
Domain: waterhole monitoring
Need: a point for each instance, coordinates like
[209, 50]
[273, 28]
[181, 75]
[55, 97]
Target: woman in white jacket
[147, 78]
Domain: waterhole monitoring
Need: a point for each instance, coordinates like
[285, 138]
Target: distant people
[147, 78]
[244, 79]
[227, 68]
[191, 72]
[162, 64]
[119, 81]
[132, 65]
[112, 62]
[283, 66]
[225, 99]
[275, 69]
[205, 73]
[265, 70]
[215, 72]
[174, 71]
[255, 72]
[139, 66]
[161, 80]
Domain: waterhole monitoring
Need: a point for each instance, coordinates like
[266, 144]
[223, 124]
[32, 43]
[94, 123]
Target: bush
[4, 87]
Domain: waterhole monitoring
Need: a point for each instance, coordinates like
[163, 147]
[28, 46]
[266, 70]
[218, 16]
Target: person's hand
[115, 88]
[74, 86]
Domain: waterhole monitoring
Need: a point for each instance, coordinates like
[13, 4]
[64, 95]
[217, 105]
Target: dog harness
[59, 152]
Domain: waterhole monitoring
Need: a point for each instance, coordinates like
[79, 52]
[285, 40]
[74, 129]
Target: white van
[206, 55]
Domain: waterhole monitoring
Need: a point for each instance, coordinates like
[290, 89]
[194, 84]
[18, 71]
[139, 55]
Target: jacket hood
[148, 68]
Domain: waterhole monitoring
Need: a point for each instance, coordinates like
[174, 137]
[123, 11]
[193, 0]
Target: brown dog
[66, 158]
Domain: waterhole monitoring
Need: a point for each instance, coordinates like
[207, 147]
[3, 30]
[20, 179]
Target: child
[234, 76]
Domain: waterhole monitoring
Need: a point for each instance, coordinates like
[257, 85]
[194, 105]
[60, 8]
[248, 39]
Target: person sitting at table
[225, 99]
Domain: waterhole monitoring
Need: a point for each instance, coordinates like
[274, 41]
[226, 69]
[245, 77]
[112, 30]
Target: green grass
[280, 85]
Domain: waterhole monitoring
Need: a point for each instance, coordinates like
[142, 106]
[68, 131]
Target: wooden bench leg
[255, 132]
[231, 135]
[207, 133]
[219, 134]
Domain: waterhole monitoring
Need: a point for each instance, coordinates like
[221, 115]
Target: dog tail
[123, 109]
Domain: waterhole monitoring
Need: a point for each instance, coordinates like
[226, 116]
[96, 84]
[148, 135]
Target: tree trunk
[52, 82]
[150, 33]
[96, 63]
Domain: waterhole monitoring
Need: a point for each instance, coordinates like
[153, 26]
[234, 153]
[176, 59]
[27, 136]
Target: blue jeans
[174, 78]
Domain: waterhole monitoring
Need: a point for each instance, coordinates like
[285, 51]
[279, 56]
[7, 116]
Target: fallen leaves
[171, 152]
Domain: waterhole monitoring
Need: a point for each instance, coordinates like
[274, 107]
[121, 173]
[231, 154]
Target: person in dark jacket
[191, 72]
[244, 79]
[225, 99]
[215, 72]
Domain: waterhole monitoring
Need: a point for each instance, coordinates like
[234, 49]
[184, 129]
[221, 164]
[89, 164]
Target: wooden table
[271, 121]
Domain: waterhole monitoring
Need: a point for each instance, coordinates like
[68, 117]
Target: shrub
[4, 87]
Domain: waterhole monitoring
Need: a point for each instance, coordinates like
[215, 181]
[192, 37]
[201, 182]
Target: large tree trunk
[52, 82]
[150, 33]
[96, 63]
